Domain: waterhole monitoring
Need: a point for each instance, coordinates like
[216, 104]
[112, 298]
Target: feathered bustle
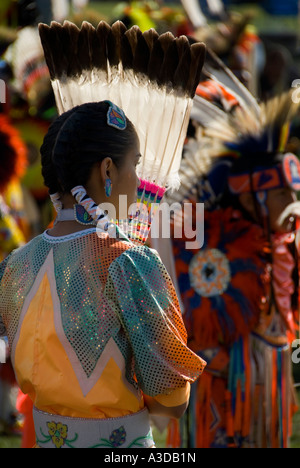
[251, 127]
[233, 125]
[246, 132]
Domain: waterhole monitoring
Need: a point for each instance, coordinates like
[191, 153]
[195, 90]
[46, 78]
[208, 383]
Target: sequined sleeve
[149, 312]
[2, 269]
[2, 328]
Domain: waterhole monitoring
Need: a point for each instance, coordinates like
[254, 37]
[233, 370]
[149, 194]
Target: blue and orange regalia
[239, 290]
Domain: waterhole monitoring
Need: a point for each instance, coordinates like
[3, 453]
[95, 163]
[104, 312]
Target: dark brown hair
[78, 140]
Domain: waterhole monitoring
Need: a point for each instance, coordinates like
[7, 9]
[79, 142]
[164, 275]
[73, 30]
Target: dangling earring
[108, 187]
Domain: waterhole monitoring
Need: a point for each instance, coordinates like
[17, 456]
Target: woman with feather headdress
[240, 291]
[96, 334]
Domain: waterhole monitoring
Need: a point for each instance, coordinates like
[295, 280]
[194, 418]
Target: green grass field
[295, 439]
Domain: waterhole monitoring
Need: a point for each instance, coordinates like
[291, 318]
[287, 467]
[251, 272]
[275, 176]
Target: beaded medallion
[82, 216]
[210, 273]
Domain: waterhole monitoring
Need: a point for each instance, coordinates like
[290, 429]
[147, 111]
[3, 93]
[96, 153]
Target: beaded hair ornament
[116, 117]
[151, 77]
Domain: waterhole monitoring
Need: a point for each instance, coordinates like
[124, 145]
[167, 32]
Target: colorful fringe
[276, 402]
[138, 226]
[250, 407]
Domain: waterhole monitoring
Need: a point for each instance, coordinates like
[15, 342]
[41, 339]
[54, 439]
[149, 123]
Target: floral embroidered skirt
[54, 431]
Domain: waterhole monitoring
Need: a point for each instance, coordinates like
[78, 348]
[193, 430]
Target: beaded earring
[108, 187]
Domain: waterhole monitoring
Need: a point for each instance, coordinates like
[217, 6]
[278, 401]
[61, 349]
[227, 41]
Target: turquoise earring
[108, 187]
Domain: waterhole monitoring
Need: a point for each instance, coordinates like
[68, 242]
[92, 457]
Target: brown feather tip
[142, 52]
[166, 60]
[114, 42]
[198, 52]
[48, 40]
[129, 45]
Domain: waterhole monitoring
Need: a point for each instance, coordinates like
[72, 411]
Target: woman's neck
[64, 228]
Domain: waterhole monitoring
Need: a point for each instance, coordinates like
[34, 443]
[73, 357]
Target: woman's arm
[172, 405]
[148, 309]
[158, 409]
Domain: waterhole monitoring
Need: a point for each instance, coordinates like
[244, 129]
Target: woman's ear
[106, 169]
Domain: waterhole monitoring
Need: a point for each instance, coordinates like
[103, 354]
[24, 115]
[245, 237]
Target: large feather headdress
[152, 77]
[252, 127]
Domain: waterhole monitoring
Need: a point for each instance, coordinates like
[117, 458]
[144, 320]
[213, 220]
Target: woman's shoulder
[23, 249]
[138, 255]
[18, 260]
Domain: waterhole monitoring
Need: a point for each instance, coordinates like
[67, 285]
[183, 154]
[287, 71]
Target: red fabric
[25, 407]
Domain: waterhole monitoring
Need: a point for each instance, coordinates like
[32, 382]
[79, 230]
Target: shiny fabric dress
[93, 324]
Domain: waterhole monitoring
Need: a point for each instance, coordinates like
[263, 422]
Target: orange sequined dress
[93, 324]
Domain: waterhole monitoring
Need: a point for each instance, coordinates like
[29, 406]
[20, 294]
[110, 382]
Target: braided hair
[79, 139]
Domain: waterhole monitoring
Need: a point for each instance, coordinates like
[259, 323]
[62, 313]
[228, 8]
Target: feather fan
[152, 77]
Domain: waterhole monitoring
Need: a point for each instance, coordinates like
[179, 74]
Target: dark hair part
[78, 140]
